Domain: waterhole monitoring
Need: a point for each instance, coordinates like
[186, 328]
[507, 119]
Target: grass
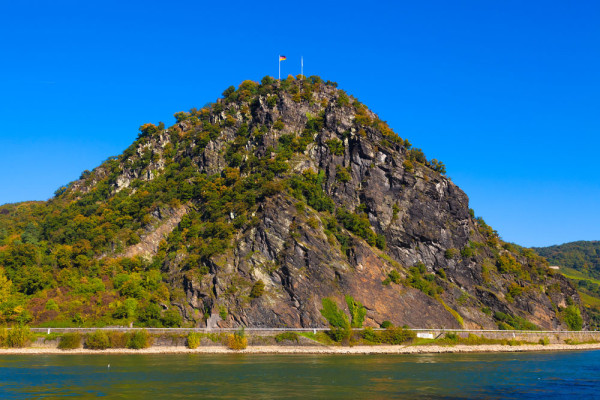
[589, 300]
[320, 337]
[454, 313]
[578, 275]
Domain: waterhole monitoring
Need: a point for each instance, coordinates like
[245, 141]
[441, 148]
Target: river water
[563, 375]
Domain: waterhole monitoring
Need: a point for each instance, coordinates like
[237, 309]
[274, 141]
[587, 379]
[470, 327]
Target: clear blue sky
[506, 93]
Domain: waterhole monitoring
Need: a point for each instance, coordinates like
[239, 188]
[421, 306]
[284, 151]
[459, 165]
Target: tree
[31, 234]
[5, 286]
[229, 91]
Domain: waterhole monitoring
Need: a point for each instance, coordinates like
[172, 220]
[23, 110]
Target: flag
[281, 58]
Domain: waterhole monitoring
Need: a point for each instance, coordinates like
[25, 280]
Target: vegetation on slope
[68, 261]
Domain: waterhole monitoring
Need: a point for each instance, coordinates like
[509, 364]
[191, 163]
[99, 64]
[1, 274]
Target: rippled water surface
[447, 376]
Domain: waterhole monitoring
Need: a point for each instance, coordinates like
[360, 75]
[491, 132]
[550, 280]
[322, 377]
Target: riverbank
[399, 349]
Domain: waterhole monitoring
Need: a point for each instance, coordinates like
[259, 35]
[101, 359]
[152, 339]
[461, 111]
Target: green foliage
[466, 252]
[309, 187]
[290, 336]
[343, 99]
[423, 281]
[390, 335]
[386, 324]
[582, 256]
[572, 317]
[258, 289]
[451, 253]
[359, 225]
[342, 174]
[334, 316]
[171, 318]
[69, 341]
[16, 337]
[193, 340]
[509, 322]
[223, 313]
[97, 340]
[336, 147]
[357, 312]
[139, 339]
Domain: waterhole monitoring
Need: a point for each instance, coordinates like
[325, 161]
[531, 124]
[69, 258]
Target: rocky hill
[252, 210]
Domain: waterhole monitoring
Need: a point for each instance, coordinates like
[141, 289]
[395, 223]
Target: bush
[357, 312]
[16, 337]
[291, 336]
[386, 324]
[193, 340]
[466, 252]
[237, 341]
[171, 318]
[572, 317]
[70, 341]
[336, 146]
[139, 340]
[389, 336]
[257, 289]
[397, 335]
[342, 174]
[334, 316]
[97, 340]
[545, 341]
[452, 337]
[117, 340]
[450, 253]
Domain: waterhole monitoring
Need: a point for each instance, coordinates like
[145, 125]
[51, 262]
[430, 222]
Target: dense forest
[582, 256]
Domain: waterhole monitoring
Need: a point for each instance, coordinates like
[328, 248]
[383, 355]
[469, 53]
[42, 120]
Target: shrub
[452, 337]
[391, 335]
[572, 317]
[291, 336]
[397, 335]
[357, 312]
[17, 336]
[342, 174]
[139, 339]
[117, 340]
[257, 289]
[70, 341]
[193, 340]
[171, 318]
[386, 324]
[97, 340]
[334, 316]
[545, 341]
[237, 341]
[336, 146]
[450, 253]
[466, 252]
[395, 276]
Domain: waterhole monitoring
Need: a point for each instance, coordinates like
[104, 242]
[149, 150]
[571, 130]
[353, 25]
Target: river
[574, 374]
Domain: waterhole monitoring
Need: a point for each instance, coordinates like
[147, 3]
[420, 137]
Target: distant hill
[258, 210]
[583, 256]
[580, 262]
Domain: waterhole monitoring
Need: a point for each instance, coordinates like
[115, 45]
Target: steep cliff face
[284, 193]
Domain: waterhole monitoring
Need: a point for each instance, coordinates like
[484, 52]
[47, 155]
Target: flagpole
[302, 66]
[279, 77]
